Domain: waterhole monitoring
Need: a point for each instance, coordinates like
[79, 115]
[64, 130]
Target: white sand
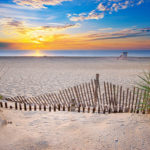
[67, 130]
[74, 131]
[34, 76]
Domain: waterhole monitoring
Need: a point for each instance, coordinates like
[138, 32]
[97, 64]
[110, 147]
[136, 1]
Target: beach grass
[144, 84]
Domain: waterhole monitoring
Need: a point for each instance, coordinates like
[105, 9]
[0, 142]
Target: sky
[43, 25]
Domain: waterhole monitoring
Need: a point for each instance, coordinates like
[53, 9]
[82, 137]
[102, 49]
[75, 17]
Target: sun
[38, 53]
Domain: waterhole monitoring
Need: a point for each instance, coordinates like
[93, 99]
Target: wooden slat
[90, 92]
[77, 96]
[133, 96]
[41, 100]
[55, 99]
[47, 99]
[58, 100]
[51, 98]
[137, 96]
[130, 100]
[87, 93]
[82, 95]
[94, 92]
[25, 107]
[104, 108]
[66, 98]
[64, 101]
[36, 100]
[68, 95]
[20, 106]
[127, 96]
[115, 99]
[48, 96]
[105, 92]
[139, 102]
[120, 100]
[123, 99]
[100, 96]
[111, 95]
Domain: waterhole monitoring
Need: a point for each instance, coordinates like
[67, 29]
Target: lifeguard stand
[123, 56]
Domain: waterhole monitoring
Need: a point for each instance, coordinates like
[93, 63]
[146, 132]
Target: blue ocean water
[101, 53]
[80, 53]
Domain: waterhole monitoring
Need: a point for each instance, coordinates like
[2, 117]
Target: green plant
[144, 84]
[1, 97]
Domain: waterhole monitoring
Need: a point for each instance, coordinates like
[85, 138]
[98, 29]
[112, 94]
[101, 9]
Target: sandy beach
[70, 130]
[35, 76]
[74, 131]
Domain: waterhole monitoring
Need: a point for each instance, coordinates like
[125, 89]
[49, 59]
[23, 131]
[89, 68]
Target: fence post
[16, 107]
[25, 107]
[96, 88]
[68, 107]
[30, 107]
[88, 109]
[6, 105]
[54, 107]
[44, 107]
[94, 109]
[73, 105]
[83, 108]
[1, 104]
[79, 108]
[63, 107]
[20, 107]
[34, 107]
[99, 110]
[40, 107]
[49, 108]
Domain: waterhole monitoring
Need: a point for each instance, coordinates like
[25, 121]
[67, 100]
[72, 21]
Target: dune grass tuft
[144, 84]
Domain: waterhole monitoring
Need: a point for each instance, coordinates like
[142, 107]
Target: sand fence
[93, 96]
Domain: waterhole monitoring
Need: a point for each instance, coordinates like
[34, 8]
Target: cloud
[16, 13]
[140, 2]
[125, 33]
[91, 15]
[38, 3]
[23, 30]
[105, 7]
[12, 6]
[105, 29]
[91, 40]
[101, 7]
[4, 45]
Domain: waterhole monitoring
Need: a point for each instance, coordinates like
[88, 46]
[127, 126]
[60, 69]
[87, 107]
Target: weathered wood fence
[86, 97]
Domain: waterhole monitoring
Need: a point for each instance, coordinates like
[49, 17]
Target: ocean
[77, 53]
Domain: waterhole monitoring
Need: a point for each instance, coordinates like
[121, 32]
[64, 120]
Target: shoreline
[129, 57]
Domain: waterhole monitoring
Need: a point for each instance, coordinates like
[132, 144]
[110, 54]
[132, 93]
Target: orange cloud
[24, 32]
[22, 36]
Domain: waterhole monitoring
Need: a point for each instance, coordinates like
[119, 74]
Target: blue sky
[74, 24]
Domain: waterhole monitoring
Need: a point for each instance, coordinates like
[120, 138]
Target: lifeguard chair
[123, 56]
